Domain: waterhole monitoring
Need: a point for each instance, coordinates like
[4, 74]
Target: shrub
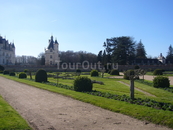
[114, 72]
[2, 68]
[6, 72]
[22, 75]
[109, 71]
[26, 70]
[78, 71]
[161, 82]
[82, 84]
[131, 72]
[94, 73]
[158, 72]
[12, 74]
[41, 76]
[136, 67]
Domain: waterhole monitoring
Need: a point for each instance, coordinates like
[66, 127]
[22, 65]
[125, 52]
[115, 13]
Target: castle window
[50, 50]
[50, 56]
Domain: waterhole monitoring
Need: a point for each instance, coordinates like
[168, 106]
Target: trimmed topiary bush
[12, 74]
[6, 72]
[161, 82]
[158, 72]
[22, 75]
[114, 72]
[78, 71]
[94, 73]
[26, 70]
[2, 68]
[136, 67]
[41, 76]
[109, 71]
[82, 84]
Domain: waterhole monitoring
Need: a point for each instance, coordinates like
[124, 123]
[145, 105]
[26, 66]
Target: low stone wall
[86, 69]
[147, 67]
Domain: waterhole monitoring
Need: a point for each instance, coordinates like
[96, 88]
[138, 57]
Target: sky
[84, 25]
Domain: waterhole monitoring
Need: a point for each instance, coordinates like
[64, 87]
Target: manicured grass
[112, 85]
[10, 119]
[161, 95]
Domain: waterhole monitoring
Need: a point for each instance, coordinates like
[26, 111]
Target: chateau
[52, 52]
[7, 52]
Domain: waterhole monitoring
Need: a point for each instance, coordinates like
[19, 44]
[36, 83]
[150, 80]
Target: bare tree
[132, 74]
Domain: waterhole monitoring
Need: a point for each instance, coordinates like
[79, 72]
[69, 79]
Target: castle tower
[52, 52]
[7, 52]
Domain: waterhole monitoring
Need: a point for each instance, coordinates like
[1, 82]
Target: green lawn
[114, 86]
[10, 119]
[161, 95]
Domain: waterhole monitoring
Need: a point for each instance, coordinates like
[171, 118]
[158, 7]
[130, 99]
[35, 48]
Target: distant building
[7, 52]
[157, 61]
[146, 62]
[162, 58]
[52, 53]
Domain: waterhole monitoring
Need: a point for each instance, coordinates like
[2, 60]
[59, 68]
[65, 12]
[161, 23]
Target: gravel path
[45, 110]
[150, 77]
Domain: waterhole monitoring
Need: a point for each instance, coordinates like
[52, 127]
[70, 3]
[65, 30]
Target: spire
[56, 42]
[51, 42]
[160, 54]
[51, 37]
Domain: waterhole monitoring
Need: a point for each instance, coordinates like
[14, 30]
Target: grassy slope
[140, 112]
[10, 119]
[161, 95]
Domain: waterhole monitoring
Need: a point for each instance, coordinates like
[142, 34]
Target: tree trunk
[143, 78]
[30, 74]
[132, 89]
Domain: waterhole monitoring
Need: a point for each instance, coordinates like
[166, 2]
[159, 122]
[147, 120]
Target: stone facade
[7, 52]
[52, 53]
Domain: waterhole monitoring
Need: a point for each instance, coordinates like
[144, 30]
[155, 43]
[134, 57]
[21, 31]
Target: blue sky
[83, 25]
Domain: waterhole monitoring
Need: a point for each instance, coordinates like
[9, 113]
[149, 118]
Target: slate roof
[51, 42]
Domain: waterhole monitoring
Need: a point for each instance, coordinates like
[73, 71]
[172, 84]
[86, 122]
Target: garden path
[150, 77]
[46, 110]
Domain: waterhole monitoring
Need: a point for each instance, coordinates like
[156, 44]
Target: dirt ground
[45, 110]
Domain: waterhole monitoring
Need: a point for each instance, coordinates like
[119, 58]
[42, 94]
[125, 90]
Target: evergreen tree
[170, 53]
[140, 51]
[100, 56]
[104, 59]
[121, 49]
